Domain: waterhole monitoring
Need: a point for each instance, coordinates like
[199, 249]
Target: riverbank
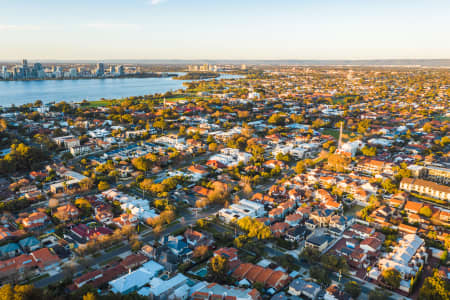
[145, 75]
[23, 92]
[197, 76]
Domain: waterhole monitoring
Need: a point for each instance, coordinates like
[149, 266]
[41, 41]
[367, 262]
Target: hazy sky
[224, 29]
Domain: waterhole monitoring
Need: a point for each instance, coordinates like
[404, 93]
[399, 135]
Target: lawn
[100, 103]
[335, 133]
[351, 211]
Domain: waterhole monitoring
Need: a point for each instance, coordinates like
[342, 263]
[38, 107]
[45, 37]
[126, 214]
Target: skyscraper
[100, 69]
[120, 70]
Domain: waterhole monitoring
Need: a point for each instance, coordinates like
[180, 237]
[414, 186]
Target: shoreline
[148, 75]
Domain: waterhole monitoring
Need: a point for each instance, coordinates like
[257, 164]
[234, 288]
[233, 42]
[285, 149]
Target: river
[22, 92]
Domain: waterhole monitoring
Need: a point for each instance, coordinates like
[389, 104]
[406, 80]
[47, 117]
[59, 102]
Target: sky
[224, 29]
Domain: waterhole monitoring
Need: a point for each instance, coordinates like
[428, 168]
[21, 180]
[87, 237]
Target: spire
[340, 136]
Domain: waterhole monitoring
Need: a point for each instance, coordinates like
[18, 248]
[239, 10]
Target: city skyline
[274, 30]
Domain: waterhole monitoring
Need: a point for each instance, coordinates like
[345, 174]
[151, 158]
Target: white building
[351, 147]
[231, 157]
[136, 206]
[407, 257]
[245, 208]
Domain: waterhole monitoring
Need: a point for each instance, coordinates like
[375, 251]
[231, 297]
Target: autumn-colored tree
[391, 277]
[103, 186]
[89, 296]
[338, 162]
[426, 211]
[218, 267]
[6, 292]
[435, 287]
[200, 251]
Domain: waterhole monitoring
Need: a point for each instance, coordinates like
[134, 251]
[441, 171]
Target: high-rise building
[100, 69]
[4, 71]
[120, 70]
[73, 72]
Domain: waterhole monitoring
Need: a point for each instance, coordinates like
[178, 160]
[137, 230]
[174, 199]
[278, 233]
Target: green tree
[378, 294]
[352, 288]
[320, 274]
[311, 255]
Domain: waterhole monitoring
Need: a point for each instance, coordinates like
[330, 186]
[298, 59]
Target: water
[22, 92]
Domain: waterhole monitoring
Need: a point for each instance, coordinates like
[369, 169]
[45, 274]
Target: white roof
[159, 286]
[133, 280]
[136, 279]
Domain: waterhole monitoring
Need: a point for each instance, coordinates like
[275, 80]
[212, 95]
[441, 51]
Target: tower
[340, 136]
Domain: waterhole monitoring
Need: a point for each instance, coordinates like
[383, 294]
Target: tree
[146, 185]
[352, 288]
[378, 294]
[363, 126]
[27, 292]
[162, 125]
[219, 194]
[135, 245]
[86, 184]
[3, 125]
[338, 162]
[391, 277]
[213, 147]
[142, 163]
[334, 263]
[311, 255]
[103, 186]
[320, 274]
[254, 228]
[6, 292]
[369, 151]
[200, 251]
[318, 123]
[435, 288]
[276, 119]
[300, 167]
[89, 296]
[84, 205]
[427, 127]
[426, 211]
[389, 186]
[218, 267]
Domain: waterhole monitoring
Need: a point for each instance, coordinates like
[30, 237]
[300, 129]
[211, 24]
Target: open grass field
[335, 133]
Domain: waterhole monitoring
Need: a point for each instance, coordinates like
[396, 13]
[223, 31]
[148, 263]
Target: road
[366, 287]
[145, 237]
